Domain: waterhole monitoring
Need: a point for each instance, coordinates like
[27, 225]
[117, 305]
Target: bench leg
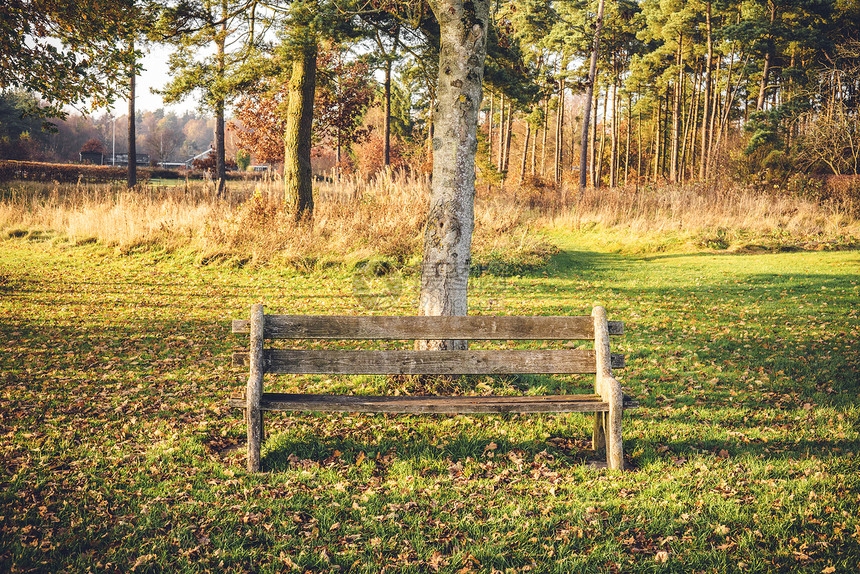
[598, 436]
[255, 438]
[614, 444]
[254, 391]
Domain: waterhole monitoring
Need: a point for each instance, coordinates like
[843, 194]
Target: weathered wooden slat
[419, 328]
[431, 404]
[477, 362]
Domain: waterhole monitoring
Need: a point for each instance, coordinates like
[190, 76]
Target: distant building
[190, 161]
[92, 157]
[122, 159]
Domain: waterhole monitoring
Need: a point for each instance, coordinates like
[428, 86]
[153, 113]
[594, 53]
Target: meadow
[119, 453]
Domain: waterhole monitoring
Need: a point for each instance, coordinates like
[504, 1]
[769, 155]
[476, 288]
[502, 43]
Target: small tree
[93, 145]
[243, 160]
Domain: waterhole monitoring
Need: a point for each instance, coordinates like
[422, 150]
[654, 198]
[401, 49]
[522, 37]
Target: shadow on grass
[284, 452]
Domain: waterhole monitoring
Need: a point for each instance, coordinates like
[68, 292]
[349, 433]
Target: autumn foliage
[93, 145]
[343, 94]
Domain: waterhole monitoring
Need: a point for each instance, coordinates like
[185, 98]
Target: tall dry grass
[710, 216]
[356, 220]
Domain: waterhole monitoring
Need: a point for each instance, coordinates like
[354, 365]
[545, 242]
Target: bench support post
[609, 390]
[254, 391]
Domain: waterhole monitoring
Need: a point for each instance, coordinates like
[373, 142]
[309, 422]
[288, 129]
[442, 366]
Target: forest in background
[759, 91]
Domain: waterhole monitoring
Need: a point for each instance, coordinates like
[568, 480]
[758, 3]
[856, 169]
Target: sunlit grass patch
[120, 454]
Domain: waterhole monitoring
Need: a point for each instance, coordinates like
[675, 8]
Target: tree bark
[525, 151]
[592, 74]
[598, 179]
[509, 128]
[677, 107]
[463, 28]
[592, 166]
[706, 98]
[559, 134]
[132, 126]
[545, 129]
[490, 128]
[613, 151]
[501, 150]
[298, 177]
[386, 139]
[768, 56]
[220, 139]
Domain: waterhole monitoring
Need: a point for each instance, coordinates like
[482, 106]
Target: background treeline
[761, 91]
[684, 90]
[166, 137]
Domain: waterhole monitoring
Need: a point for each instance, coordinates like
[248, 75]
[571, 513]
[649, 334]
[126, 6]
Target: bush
[64, 173]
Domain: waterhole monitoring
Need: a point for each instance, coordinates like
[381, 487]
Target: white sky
[154, 75]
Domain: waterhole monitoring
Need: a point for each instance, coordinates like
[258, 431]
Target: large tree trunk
[450, 220]
[298, 177]
[132, 125]
[592, 75]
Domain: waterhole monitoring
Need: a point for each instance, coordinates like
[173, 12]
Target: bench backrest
[416, 362]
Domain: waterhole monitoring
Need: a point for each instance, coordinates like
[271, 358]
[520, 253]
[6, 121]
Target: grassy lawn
[119, 455]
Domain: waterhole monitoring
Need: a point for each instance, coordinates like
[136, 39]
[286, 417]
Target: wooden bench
[607, 401]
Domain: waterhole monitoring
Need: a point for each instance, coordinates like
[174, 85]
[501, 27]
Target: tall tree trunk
[592, 165]
[448, 237]
[389, 61]
[501, 151]
[490, 129]
[613, 151]
[132, 124]
[706, 97]
[386, 137]
[592, 76]
[533, 167]
[509, 129]
[220, 139]
[768, 56]
[677, 101]
[688, 123]
[639, 148]
[598, 179]
[658, 139]
[627, 143]
[545, 129]
[559, 134]
[525, 151]
[298, 176]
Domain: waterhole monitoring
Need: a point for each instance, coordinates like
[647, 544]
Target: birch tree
[463, 28]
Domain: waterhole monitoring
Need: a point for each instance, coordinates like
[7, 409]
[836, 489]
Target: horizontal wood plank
[428, 405]
[427, 328]
[480, 362]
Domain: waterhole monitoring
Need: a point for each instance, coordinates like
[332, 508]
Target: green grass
[119, 455]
